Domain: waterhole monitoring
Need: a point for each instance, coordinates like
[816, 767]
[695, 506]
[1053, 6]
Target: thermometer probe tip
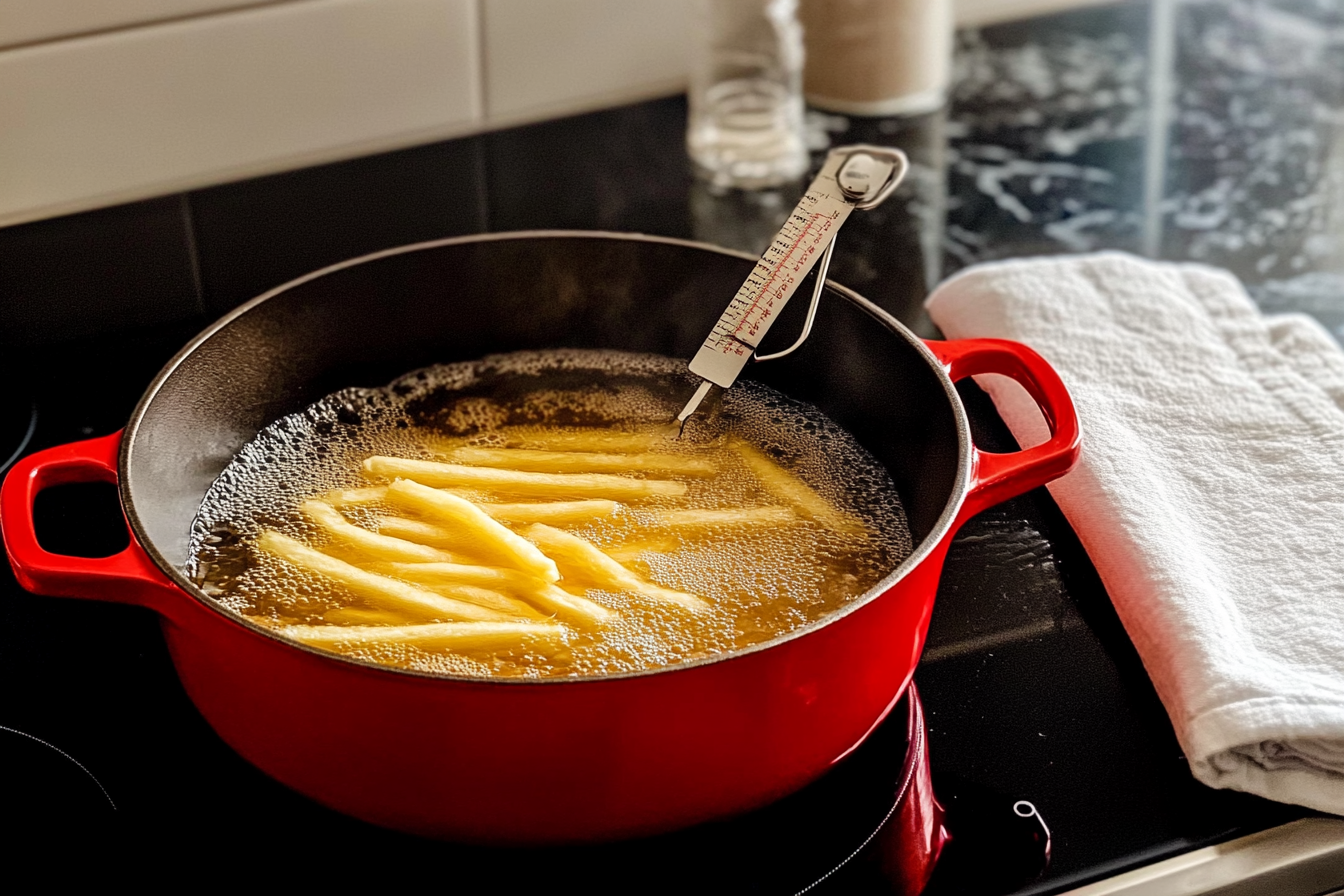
[691, 405]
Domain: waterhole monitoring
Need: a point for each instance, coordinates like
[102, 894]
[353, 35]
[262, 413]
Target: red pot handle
[998, 477]
[126, 577]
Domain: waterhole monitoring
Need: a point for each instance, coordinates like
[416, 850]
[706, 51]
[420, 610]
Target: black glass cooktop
[1032, 696]
[1053, 142]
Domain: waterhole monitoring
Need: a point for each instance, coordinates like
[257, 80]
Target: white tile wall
[28, 21]
[155, 96]
[134, 113]
[561, 56]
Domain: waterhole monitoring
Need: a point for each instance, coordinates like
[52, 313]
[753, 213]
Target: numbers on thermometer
[774, 279]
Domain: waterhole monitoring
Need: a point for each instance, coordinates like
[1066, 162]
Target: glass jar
[746, 107]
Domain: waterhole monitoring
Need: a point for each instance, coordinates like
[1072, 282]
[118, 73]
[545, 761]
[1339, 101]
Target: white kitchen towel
[1209, 495]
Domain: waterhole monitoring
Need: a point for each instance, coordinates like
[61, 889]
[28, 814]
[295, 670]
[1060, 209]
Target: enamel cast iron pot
[557, 760]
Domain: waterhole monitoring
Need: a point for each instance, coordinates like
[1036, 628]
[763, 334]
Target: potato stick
[488, 597]
[490, 537]
[733, 516]
[551, 512]
[609, 440]
[579, 462]
[361, 616]
[355, 497]
[571, 608]
[460, 574]
[585, 561]
[630, 551]
[421, 532]
[382, 592]
[792, 490]
[528, 512]
[374, 544]
[545, 637]
[543, 485]
[566, 606]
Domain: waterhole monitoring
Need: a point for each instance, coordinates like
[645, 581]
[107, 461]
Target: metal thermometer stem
[852, 177]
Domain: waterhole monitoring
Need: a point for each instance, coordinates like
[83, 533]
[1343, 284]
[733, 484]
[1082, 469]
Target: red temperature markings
[770, 289]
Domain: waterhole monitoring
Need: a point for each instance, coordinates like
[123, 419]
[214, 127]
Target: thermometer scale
[853, 177]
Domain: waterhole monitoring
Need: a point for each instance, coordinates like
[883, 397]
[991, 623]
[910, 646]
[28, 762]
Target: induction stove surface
[1032, 690]
[1032, 694]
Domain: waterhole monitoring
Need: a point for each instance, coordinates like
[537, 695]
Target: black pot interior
[366, 324]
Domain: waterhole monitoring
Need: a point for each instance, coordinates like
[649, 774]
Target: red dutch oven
[558, 760]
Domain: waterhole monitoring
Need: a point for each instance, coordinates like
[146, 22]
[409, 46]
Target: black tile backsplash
[259, 233]
[103, 271]
[557, 175]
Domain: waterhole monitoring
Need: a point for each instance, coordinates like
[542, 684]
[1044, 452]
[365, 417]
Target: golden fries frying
[532, 512]
[601, 440]
[558, 512]
[381, 546]
[535, 461]
[467, 553]
[380, 591]
[585, 562]
[515, 482]
[460, 515]
[793, 491]
[550, 599]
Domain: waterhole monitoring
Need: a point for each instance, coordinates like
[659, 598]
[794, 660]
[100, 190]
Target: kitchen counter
[1201, 131]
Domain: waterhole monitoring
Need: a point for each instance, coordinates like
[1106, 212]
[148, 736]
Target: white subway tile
[28, 21]
[556, 57]
[123, 115]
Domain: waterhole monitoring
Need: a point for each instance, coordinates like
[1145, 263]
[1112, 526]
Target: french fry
[361, 616]
[607, 440]
[381, 591]
[541, 485]
[544, 637]
[793, 491]
[355, 497]
[552, 511]
[453, 543]
[489, 536]
[531, 512]
[582, 560]
[733, 516]
[536, 461]
[460, 574]
[571, 608]
[551, 599]
[373, 544]
[487, 597]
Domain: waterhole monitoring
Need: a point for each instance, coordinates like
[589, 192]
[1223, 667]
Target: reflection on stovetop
[18, 422]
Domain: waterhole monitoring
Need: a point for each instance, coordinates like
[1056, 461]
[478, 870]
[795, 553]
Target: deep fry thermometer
[853, 177]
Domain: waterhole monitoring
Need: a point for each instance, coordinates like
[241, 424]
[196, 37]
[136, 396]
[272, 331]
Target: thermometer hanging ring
[853, 177]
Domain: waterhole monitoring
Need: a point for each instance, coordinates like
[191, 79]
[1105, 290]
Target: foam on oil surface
[762, 582]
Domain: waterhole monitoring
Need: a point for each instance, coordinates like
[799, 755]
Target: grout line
[482, 178]
[147, 23]
[482, 69]
[482, 141]
[1161, 60]
[193, 251]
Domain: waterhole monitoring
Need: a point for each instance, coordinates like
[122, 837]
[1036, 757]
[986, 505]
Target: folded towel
[1209, 495]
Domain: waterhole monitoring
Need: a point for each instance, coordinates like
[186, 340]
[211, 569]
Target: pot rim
[944, 524]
